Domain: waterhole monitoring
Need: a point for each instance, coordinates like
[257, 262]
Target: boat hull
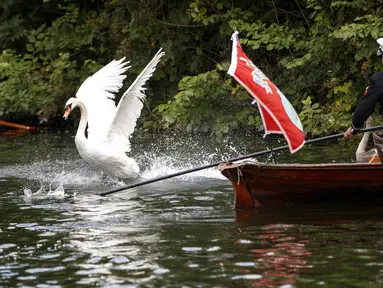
[255, 183]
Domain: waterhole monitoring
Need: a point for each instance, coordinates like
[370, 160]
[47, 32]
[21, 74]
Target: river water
[183, 232]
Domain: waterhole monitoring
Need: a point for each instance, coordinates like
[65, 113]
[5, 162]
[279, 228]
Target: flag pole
[286, 147]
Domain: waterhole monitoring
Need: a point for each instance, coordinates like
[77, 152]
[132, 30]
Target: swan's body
[361, 154]
[110, 127]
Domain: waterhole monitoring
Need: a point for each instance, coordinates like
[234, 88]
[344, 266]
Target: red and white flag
[277, 114]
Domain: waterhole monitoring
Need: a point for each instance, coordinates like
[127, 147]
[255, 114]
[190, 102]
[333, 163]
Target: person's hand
[348, 133]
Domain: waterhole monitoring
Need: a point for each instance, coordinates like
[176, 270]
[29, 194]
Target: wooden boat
[257, 183]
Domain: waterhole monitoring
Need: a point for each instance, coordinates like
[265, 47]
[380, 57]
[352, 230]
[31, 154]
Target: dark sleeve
[366, 105]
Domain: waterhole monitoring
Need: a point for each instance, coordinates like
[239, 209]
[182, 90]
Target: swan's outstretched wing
[97, 94]
[129, 107]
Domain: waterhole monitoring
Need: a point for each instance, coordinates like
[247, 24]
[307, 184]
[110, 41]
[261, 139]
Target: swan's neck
[83, 121]
[363, 143]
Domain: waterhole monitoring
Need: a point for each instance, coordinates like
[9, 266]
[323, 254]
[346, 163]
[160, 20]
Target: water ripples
[105, 241]
[179, 232]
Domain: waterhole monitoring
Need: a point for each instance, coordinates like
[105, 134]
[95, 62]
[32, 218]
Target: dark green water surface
[176, 233]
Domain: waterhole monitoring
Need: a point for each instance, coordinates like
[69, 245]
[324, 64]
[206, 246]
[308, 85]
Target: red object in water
[15, 125]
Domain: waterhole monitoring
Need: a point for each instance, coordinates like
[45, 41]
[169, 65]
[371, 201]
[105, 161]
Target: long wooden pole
[230, 160]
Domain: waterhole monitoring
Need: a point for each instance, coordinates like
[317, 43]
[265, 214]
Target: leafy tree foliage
[318, 52]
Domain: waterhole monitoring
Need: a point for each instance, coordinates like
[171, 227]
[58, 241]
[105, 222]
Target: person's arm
[364, 109]
[366, 106]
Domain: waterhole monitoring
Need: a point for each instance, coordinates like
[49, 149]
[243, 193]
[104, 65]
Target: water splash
[163, 166]
[79, 173]
[170, 154]
[156, 157]
[59, 192]
[70, 172]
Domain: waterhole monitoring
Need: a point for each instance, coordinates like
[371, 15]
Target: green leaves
[216, 11]
[313, 117]
[343, 88]
[202, 104]
[319, 54]
[38, 82]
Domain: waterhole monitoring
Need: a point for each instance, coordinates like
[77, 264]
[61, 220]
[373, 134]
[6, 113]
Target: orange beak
[67, 112]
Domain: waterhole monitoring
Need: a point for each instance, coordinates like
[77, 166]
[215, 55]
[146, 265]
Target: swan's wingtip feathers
[121, 60]
[160, 53]
[131, 104]
[108, 79]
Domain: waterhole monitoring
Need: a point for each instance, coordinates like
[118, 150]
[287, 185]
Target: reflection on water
[284, 256]
[179, 232]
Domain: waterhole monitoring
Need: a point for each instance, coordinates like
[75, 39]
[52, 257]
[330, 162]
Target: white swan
[110, 127]
[361, 154]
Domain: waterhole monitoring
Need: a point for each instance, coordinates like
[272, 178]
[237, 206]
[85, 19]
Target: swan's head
[70, 104]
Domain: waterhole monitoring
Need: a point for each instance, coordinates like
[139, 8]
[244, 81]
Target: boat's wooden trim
[326, 166]
[243, 198]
